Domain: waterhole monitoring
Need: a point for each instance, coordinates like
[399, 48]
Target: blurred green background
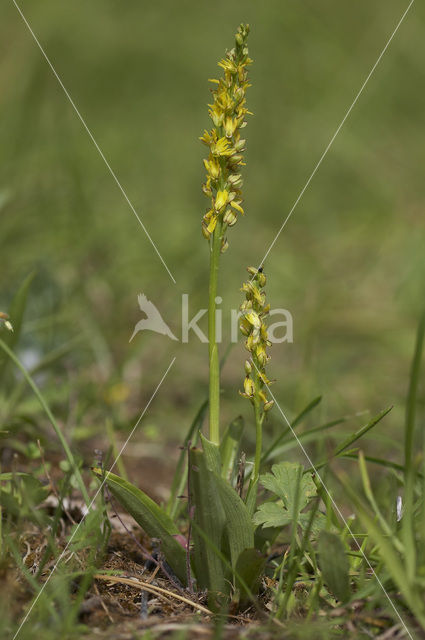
[349, 265]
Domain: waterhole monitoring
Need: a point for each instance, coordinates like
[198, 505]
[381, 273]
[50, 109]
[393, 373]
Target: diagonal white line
[93, 499]
[83, 122]
[337, 509]
[341, 124]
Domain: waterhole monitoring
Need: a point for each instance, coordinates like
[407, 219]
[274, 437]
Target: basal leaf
[229, 447]
[223, 518]
[151, 518]
[248, 569]
[334, 564]
[238, 524]
[209, 518]
[212, 454]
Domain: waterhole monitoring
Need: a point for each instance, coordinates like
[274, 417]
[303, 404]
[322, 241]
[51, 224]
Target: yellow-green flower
[228, 112]
[253, 326]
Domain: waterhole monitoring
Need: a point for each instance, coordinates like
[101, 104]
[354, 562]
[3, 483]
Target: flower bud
[224, 245]
[245, 327]
[239, 94]
[240, 145]
[246, 304]
[234, 178]
[268, 405]
[205, 231]
[235, 159]
[248, 367]
[248, 386]
[230, 218]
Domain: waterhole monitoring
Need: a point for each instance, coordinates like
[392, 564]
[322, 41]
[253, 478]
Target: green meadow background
[349, 265]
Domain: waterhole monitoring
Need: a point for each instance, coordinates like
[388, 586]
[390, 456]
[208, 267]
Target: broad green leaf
[238, 525]
[334, 565]
[229, 447]
[248, 569]
[209, 518]
[223, 518]
[251, 497]
[151, 518]
[212, 455]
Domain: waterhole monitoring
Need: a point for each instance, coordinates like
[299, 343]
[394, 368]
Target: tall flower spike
[253, 326]
[228, 111]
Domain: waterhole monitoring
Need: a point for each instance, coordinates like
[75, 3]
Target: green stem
[214, 389]
[251, 498]
[258, 439]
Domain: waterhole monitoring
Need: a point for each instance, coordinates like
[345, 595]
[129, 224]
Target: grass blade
[352, 438]
[49, 414]
[408, 531]
[180, 474]
[16, 314]
[311, 405]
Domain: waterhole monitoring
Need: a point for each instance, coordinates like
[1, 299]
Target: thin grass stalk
[408, 528]
[49, 414]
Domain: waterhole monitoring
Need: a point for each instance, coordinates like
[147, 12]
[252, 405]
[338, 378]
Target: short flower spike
[253, 326]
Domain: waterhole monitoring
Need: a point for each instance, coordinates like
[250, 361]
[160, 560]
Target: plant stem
[258, 439]
[214, 385]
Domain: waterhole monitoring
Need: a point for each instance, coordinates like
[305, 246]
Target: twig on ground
[150, 588]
